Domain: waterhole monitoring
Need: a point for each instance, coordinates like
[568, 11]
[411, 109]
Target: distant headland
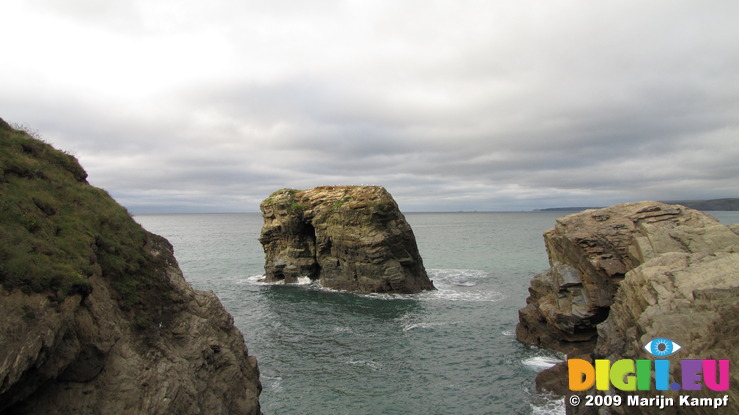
[705, 205]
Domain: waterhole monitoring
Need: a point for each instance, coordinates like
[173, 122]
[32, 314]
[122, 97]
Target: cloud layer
[486, 105]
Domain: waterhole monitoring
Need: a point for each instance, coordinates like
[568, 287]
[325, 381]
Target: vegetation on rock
[347, 237]
[96, 315]
[58, 231]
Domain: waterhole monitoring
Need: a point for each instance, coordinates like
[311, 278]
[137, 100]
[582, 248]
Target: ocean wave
[272, 383]
[461, 285]
[451, 285]
[540, 363]
[257, 280]
[549, 406]
[367, 363]
[252, 279]
[414, 326]
[446, 294]
[457, 277]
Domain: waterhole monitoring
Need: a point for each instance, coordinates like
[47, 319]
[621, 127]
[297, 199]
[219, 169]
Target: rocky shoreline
[624, 275]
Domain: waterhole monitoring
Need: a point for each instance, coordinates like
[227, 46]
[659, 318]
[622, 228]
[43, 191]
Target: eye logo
[662, 347]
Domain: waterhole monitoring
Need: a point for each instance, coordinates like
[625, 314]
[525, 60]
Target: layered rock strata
[689, 298]
[625, 275]
[591, 252]
[350, 238]
[95, 315]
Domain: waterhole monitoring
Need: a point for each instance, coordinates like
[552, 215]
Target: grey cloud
[481, 105]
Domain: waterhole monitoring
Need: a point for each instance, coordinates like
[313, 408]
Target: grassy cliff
[95, 314]
[57, 230]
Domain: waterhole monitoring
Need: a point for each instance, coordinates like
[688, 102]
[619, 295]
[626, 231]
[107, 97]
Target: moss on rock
[349, 237]
[58, 231]
[95, 314]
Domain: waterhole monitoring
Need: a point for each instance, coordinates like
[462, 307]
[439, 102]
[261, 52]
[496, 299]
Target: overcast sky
[211, 105]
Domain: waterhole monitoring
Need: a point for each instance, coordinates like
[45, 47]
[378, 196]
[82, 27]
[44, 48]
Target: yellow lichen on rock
[348, 237]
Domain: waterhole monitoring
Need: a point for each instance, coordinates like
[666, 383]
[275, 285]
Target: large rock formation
[689, 298]
[348, 237]
[591, 252]
[95, 315]
[625, 275]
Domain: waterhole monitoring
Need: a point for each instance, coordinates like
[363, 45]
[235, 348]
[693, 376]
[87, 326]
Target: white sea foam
[274, 383]
[454, 295]
[252, 279]
[257, 279]
[545, 404]
[451, 285]
[413, 326]
[550, 406]
[460, 285]
[508, 332]
[368, 363]
[540, 363]
[457, 277]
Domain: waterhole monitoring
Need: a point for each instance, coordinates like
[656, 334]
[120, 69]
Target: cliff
[625, 275]
[348, 237]
[708, 205]
[95, 315]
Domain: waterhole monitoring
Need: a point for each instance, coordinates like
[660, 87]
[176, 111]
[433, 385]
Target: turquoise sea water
[450, 351]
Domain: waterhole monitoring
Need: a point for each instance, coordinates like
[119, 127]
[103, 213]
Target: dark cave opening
[309, 231]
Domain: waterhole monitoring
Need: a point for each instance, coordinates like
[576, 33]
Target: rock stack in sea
[627, 274]
[95, 315]
[350, 238]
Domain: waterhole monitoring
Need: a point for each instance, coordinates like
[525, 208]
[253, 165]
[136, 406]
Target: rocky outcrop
[689, 298]
[590, 253]
[95, 315]
[350, 238]
[625, 275]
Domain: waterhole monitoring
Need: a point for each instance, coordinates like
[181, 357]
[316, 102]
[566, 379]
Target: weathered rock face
[689, 298]
[590, 253]
[84, 355]
[350, 238]
[95, 315]
[670, 272]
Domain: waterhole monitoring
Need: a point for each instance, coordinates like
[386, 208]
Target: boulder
[351, 238]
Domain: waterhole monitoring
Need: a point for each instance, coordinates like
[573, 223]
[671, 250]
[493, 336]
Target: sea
[449, 351]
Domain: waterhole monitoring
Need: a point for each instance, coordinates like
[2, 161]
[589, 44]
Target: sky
[212, 105]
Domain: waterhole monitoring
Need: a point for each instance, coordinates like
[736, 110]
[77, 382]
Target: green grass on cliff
[57, 230]
[293, 206]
